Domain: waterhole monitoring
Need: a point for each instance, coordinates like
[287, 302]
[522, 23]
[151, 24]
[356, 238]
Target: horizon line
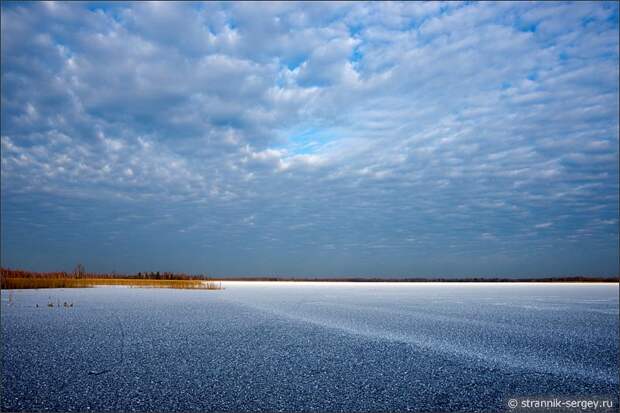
[473, 279]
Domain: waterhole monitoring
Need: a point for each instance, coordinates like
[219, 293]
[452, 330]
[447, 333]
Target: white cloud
[544, 225]
[507, 110]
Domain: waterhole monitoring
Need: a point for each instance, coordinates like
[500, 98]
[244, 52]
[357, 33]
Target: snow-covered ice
[308, 347]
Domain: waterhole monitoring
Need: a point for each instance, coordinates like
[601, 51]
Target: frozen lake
[308, 347]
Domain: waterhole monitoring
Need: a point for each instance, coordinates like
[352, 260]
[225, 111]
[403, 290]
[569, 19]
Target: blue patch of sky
[111, 9]
[296, 61]
[525, 26]
[306, 140]
[355, 29]
[613, 18]
[357, 55]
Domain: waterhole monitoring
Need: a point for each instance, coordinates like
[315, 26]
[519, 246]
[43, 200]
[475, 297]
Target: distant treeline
[439, 279]
[80, 272]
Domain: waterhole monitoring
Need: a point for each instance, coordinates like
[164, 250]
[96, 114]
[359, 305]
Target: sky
[311, 139]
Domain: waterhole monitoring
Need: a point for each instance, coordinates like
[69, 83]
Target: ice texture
[307, 347]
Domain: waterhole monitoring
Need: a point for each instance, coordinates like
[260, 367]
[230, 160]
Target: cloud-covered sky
[311, 139]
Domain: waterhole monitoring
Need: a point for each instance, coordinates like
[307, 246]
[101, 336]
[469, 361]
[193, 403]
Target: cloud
[544, 225]
[359, 126]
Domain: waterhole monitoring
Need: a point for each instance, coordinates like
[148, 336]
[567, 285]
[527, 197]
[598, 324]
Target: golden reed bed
[18, 283]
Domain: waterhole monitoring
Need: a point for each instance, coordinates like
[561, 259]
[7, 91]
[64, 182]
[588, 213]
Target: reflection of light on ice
[485, 322]
[404, 283]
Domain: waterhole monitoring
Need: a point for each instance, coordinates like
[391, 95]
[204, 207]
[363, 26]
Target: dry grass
[16, 283]
[213, 285]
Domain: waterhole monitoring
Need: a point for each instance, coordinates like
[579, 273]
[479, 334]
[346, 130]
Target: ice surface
[308, 347]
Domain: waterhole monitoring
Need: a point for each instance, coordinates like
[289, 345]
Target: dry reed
[27, 283]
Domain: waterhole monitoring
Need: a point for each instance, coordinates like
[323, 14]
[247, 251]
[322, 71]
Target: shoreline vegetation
[79, 278]
[20, 279]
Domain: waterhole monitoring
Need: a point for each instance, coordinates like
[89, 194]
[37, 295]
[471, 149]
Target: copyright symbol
[512, 403]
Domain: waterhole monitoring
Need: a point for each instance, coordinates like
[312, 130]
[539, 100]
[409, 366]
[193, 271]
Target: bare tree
[79, 271]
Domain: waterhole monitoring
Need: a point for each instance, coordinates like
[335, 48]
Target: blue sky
[311, 139]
